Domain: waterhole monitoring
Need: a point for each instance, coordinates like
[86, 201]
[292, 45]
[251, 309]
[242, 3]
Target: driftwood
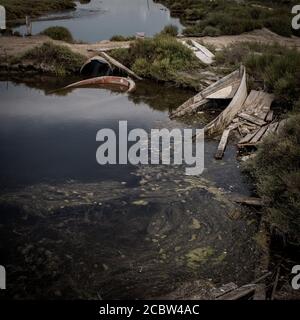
[222, 145]
[239, 293]
[118, 65]
[250, 201]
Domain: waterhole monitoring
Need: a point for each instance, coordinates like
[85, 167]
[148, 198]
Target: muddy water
[70, 228]
[101, 19]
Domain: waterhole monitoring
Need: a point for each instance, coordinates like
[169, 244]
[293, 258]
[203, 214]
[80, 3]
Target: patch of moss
[198, 256]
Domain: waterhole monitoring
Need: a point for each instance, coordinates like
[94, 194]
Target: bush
[159, 58]
[276, 170]
[211, 31]
[118, 37]
[170, 30]
[58, 33]
[60, 59]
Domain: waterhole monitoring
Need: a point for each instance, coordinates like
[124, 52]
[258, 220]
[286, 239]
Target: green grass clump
[170, 30]
[276, 170]
[118, 37]
[59, 59]
[161, 58]
[58, 33]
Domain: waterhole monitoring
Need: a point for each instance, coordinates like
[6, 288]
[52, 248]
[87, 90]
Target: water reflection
[101, 19]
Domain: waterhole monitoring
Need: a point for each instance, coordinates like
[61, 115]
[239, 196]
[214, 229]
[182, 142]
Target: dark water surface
[101, 19]
[70, 228]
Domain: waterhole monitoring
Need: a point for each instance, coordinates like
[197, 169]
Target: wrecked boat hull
[126, 83]
[225, 88]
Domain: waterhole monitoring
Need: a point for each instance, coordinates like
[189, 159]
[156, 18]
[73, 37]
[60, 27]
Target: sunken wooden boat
[225, 88]
[125, 84]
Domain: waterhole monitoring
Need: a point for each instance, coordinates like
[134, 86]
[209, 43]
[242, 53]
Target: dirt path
[10, 46]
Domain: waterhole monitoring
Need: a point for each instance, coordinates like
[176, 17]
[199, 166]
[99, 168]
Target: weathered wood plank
[259, 134]
[269, 116]
[222, 145]
[239, 293]
[248, 137]
[119, 65]
[250, 201]
[251, 119]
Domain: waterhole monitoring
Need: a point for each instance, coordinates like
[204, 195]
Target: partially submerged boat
[124, 84]
[96, 66]
[225, 88]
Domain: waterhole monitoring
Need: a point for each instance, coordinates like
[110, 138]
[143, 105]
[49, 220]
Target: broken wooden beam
[239, 293]
[222, 145]
[259, 134]
[250, 201]
[252, 119]
[248, 137]
[119, 65]
[269, 116]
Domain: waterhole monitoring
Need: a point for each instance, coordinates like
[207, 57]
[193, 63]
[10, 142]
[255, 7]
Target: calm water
[50, 137]
[70, 228]
[101, 19]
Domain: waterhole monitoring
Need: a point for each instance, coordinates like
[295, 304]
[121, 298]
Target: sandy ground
[10, 46]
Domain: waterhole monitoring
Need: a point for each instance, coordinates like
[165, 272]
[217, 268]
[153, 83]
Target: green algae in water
[195, 224]
[197, 256]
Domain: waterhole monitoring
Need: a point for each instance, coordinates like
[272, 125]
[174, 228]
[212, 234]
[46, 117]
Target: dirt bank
[12, 46]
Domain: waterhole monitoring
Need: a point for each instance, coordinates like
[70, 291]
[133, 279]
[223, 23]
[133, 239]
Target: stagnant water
[101, 19]
[70, 228]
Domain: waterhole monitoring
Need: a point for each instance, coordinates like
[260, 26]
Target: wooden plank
[258, 104]
[226, 288]
[222, 145]
[119, 65]
[248, 137]
[251, 119]
[259, 134]
[250, 201]
[239, 293]
[271, 129]
[269, 116]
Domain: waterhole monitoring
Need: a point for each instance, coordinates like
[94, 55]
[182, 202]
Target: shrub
[159, 58]
[276, 170]
[118, 37]
[58, 58]
[58, 33]
[170, 30]
[211, 31]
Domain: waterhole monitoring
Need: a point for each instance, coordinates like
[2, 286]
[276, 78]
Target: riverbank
[12, 48]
